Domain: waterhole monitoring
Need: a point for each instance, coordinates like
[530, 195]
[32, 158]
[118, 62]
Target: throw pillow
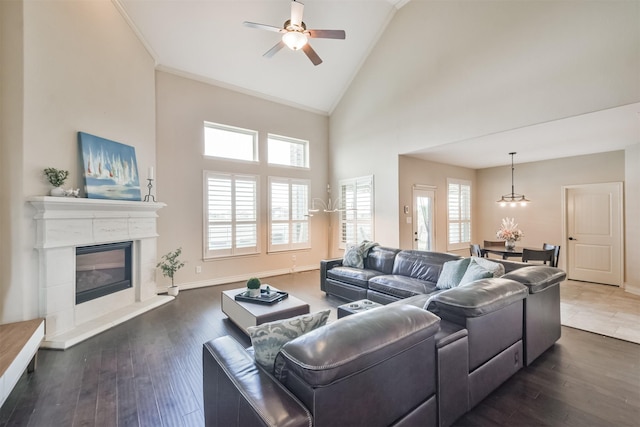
[495, 267]
[267, 339]
[353, 257]
[475, 272]
[452, 272]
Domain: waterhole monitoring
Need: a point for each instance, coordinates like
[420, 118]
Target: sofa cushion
[353, 276]
[381, 259]
[452, 273]
[495, 267]
[354, 343]
[421, 264]
[268, 338]
[475, 272]
[401, 286]
[537, 277]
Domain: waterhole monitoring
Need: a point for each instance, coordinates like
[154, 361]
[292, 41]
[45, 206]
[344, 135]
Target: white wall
[84, 70]
[632, 213]
[183, 105]
[448, 71]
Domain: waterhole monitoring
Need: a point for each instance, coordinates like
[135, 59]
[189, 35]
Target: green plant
[56, 177]
[253, 283]
[170, 264]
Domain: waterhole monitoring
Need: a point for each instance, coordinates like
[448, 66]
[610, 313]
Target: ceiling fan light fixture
[294, 39]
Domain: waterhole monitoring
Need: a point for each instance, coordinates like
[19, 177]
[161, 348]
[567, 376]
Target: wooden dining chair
[493, 243]
[544, 255]
[556, 253]
[476, 250]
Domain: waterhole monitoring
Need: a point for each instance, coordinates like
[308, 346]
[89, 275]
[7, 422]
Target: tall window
[230, 142]
[459, 214]
[288, 220]
[231, 214]
[356, 221]
[288, 151]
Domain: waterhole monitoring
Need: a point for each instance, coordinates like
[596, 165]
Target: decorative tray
[266, 297]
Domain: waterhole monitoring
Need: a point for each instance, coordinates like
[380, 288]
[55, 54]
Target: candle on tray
[151, 173]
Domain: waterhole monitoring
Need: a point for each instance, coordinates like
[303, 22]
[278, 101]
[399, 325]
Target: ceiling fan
[295, 34]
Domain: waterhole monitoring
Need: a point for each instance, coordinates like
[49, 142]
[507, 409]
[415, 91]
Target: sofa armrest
[239, 393]
[326, 265]
[477, 298]
[537, 278]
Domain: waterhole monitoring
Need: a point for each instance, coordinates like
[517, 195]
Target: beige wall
[412, 172]
[477, 68]
[632, 213]
[183, 105]
[84, 70]
[542, 183]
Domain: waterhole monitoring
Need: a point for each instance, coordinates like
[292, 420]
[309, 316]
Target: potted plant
[253, 287]
[56, 177]
[169, 265]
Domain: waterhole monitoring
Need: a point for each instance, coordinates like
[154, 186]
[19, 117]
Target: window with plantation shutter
[459, 214]
[356, 218]
[286, 151]
[231, 214]
[288, 219]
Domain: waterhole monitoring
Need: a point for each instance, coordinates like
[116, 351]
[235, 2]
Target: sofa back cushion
[381, 258]
[421, 264]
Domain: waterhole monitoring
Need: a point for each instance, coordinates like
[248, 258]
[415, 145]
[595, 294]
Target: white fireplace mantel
[64, 223]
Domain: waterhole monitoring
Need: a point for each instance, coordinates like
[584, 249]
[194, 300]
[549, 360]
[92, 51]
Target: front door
[594, 233]
[423, 208]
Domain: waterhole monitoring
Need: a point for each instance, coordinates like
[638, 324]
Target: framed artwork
[110, 169]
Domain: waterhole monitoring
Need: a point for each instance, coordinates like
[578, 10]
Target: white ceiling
[206, 40]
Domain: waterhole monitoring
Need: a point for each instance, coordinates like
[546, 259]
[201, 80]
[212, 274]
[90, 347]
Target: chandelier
[329, 206]
[513, 198]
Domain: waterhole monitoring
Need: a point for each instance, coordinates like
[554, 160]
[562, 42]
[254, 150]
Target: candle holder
[149, 197]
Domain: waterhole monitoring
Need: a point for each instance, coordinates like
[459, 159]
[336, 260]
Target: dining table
[503, 251]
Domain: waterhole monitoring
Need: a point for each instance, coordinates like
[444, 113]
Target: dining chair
[556, 253]
[476, 250]
[493, 243]
[543, 255]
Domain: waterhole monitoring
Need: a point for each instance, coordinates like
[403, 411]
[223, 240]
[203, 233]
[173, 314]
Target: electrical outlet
[198, 269]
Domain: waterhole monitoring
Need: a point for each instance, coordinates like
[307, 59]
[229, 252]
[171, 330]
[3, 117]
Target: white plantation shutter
[231, 214]
[356, 221]
[459, 214]
[288, 220]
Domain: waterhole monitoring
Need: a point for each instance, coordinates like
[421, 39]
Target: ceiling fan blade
[264, 27]
[275, 49]
[296, 13]
[327, 34]
[311, 54]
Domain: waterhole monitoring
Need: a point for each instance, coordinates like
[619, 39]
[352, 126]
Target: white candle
[151, 172]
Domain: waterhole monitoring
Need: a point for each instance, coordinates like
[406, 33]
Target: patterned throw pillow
[267, 339]
[452, 272]
[475, 272]
[353, 257]
[495, 267]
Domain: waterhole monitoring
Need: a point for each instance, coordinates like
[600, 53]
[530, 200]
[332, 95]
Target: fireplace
[97, 265]
[102, 270]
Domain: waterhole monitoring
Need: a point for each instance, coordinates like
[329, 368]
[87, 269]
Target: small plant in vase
[169, 265]
[253, 287]
[56, 177]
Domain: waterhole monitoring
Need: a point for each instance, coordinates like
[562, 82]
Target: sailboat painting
[110, 168]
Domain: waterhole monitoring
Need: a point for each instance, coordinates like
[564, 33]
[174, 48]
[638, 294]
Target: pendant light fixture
[513, 198]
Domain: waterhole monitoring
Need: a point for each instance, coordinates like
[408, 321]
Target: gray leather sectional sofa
[424, 359]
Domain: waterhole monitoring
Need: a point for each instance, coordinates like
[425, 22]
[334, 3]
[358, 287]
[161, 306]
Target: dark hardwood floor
[148, 372]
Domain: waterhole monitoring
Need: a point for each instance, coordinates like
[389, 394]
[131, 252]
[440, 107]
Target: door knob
[571, 238]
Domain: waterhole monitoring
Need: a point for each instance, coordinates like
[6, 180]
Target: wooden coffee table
[245, 314]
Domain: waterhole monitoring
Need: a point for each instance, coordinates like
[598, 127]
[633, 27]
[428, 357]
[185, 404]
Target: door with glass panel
[423, 211]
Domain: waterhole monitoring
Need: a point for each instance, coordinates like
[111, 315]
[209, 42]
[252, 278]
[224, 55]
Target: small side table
[356, 307]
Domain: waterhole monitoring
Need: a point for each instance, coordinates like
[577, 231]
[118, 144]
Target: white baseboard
[240, 278]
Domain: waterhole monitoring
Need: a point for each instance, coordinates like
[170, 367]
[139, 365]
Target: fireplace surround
[64, 224]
